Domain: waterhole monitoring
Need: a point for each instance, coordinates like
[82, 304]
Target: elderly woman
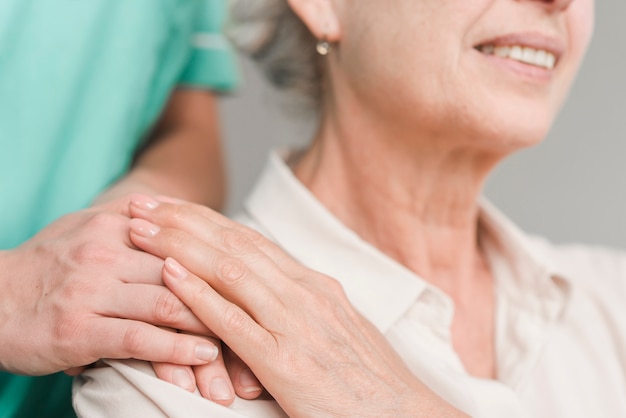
[449, 309]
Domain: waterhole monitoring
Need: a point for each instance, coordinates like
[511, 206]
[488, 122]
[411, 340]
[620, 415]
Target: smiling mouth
[524, 54]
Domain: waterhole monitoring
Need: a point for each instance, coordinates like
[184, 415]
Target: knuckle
[167, 308]
[235, 242]
[329, 302]
[178, 214]
[77, 290]
[91, 252]
[68, 340]
[103, 220]
[234, 319]
[132, 341]
[231, 272]
[172, 241]
[334, 286]
[258, 239]
[71, 341]
[324, 290]
[178, 349]
[67, 328]
[336, 299]
[202, 295]
[251, 235]
[322, 302]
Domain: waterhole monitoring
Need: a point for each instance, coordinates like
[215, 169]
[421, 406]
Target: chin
[508, 137]
[516, 124]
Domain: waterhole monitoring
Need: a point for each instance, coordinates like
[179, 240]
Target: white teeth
[550, 61]
[540, 56]
[527, 55]
[516, 53]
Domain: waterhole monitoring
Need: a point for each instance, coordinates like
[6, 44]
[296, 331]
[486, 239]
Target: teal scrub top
[81, 82]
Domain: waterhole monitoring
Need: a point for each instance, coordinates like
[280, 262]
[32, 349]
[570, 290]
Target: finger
[235, 280]
[214, 382]
[224, 244]
[181, 376]
[140, 267]
[122, 339]
[211, 379]
[142, 205]
[107, 255]
[246, 385]
[231, 323]
[104, 222]
[156, 305]
[210, 226]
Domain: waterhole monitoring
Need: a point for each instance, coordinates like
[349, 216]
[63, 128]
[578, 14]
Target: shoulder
[587, 264]
[130, 388]
[597, 281]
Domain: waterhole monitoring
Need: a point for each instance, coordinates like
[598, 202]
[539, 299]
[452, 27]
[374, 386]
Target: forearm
[183, 158]
[203, 184]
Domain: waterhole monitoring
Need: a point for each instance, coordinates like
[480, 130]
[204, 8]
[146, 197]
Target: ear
[320, 16]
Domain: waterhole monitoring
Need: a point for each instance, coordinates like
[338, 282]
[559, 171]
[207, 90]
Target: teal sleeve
[29, 397]
[212, 62]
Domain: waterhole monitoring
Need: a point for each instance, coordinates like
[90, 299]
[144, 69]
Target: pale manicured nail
[169, 199]
[144, 202]
[249, 383]
[206, 352]
[182, 379]
[175, 269]
[144, 228]
[220, 390]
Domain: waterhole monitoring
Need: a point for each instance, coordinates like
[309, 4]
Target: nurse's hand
[294, 327]
[80, 291]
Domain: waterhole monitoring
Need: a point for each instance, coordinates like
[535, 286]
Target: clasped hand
[294, 327]
[80, 291]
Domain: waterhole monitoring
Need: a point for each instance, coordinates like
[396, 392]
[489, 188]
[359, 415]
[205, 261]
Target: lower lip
[528, 72]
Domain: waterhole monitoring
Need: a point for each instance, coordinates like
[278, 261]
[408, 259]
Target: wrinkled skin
[294, 327]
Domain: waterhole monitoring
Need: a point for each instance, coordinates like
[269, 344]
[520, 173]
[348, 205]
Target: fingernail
[175, 269]
[220, 390]
[144, 228]
[206, 352]
[249, 382]
[182, 379]
[169, 199]
[144, 202]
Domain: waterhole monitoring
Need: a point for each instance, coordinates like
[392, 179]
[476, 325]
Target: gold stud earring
[323, 46]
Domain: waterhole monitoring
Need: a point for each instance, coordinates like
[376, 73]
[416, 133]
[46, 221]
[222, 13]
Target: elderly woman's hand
[294, 327]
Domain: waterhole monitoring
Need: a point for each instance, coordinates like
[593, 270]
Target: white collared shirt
[560, 319]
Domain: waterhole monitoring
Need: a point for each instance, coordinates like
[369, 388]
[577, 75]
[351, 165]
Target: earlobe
[320, 16]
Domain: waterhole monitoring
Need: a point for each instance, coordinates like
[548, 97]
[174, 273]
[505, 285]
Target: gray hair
[282, 46]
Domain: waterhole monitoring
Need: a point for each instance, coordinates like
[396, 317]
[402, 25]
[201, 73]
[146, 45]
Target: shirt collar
[532, 293]
[530, 258]
[378, 286]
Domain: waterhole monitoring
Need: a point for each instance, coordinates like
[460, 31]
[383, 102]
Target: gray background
[572, 187]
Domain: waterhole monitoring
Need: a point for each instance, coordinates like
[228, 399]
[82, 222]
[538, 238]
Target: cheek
[580, 27]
